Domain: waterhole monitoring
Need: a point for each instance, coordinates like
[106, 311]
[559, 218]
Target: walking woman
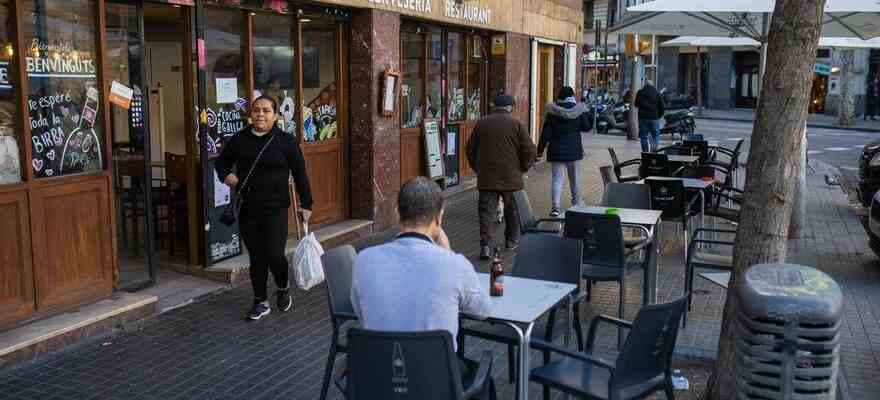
[566, 119]
[269, 156]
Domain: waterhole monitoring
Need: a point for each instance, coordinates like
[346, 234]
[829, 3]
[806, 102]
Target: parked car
[873, 225]
[869, 172]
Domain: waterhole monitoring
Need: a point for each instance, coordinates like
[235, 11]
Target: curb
[809, 125]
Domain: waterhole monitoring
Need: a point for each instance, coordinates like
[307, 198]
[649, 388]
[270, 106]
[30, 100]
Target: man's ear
[439, 219]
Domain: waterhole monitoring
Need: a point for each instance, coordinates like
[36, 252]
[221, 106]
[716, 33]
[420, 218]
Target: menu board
[63, 106]
[433, 154]
[451, 155]
[224, 241]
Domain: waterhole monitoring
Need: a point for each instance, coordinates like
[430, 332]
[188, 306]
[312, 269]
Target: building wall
[668, 65]
[518, 74]
[375, 140]
[858, 82]
[720, 95]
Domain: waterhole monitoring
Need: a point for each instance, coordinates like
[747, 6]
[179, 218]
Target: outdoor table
[649, 219]
[693, 184]
[719, 278]
[683, 159]
[524, 301]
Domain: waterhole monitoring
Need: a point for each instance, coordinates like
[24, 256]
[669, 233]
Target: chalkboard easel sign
[224, 241]
[433, 153]
[451, 155]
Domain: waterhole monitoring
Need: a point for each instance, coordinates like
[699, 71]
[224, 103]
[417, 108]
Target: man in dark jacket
[650, 106]
[565, 121]
[500, 151]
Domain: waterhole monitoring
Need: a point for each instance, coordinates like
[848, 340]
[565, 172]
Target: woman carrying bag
[265, 157]
[566, 119]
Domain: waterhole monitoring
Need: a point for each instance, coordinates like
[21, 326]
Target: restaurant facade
[111, 113]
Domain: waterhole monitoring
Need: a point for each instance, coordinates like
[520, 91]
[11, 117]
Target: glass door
[135, 193]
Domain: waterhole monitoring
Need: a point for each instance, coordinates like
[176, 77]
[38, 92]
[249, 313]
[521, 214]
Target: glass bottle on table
[496, 276]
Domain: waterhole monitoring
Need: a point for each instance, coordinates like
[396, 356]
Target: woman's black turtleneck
[267, 187]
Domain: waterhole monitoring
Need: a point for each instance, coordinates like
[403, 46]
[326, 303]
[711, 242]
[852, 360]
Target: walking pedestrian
[500, 151]
[650, 105]
[265, 156]
[872, 105]
[561, 137]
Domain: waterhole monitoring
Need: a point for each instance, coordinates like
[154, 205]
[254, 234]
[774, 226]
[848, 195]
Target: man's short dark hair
[419, 201]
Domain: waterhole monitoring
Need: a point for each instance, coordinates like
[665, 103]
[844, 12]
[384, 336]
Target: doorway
[152, 162]
[546, 81]
[747, 78]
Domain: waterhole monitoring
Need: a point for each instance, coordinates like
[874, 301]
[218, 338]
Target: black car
[869, 172]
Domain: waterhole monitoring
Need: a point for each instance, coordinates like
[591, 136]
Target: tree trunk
[632, 124]
[777, 141]
[847, 98]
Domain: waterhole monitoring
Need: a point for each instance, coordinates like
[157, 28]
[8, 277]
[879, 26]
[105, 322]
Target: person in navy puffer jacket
[563, 126]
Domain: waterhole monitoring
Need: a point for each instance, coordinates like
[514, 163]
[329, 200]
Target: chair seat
[702, 258]
[601, 273]
[587, 380]
[729, 214]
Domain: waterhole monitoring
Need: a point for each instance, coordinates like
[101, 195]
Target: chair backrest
[734, 159]
[700, 148]
[667, 195]
[627, 195]
[402, 365]
[527, 218]
[549, 258]
[602, 237]
[175, 168]
[338, 268]
[649, 344]
[654, 164]
[615, 162]
[608, 175]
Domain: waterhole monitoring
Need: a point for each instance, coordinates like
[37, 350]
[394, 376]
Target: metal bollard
[787, 333]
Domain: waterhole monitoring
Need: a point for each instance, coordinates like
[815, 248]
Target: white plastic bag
[307, 266]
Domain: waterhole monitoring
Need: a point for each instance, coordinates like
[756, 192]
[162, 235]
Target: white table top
[719, 278]
[685, 159]
[689, 183]
[525, 300]
[627, 215]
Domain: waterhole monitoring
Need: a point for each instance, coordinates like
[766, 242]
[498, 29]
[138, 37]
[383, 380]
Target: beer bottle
[496, 276]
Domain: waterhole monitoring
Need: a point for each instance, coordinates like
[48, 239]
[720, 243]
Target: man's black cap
[503, 100]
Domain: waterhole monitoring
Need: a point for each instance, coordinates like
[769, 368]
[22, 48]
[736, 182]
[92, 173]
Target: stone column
[375, 140]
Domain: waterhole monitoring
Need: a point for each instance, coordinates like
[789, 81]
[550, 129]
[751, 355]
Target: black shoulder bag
[230, 214]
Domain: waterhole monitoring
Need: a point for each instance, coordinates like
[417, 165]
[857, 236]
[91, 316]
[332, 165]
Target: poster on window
[63, 109]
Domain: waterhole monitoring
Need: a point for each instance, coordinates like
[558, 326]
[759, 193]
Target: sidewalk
[813, 120]
[206, 350]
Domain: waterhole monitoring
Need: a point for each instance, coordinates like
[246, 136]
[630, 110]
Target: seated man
[416, 282]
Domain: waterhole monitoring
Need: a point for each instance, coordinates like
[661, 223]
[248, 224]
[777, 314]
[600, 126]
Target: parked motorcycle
[679, 121]
[612, 115]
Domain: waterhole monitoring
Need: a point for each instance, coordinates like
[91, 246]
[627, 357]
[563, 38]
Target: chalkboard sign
[451, 155]
[433, 154]
[224, 240]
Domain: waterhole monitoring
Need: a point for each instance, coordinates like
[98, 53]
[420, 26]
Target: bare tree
[777, 141]
[847, 98]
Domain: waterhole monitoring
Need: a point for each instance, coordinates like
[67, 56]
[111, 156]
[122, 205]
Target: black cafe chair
[542, 257]
[619, 166]
[699, 148]
[605, 256]
[528, 223]
[654, 164]
[338, 266]
[607, 173]
[643, 367]
[670, 197]
[627, 195]
[410, 365]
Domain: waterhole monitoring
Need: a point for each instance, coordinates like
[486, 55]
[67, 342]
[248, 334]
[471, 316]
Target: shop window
[477, 58]
[412, 81]
[274, 59]
[319, 61]
[456, 46]
[226, 103]
[64, 96]
[435, 76]
[10, 150]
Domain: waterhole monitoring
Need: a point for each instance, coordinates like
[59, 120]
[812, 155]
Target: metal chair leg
[511, 363]
[328, 370]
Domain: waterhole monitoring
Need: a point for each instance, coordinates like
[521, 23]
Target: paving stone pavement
[207, 351]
